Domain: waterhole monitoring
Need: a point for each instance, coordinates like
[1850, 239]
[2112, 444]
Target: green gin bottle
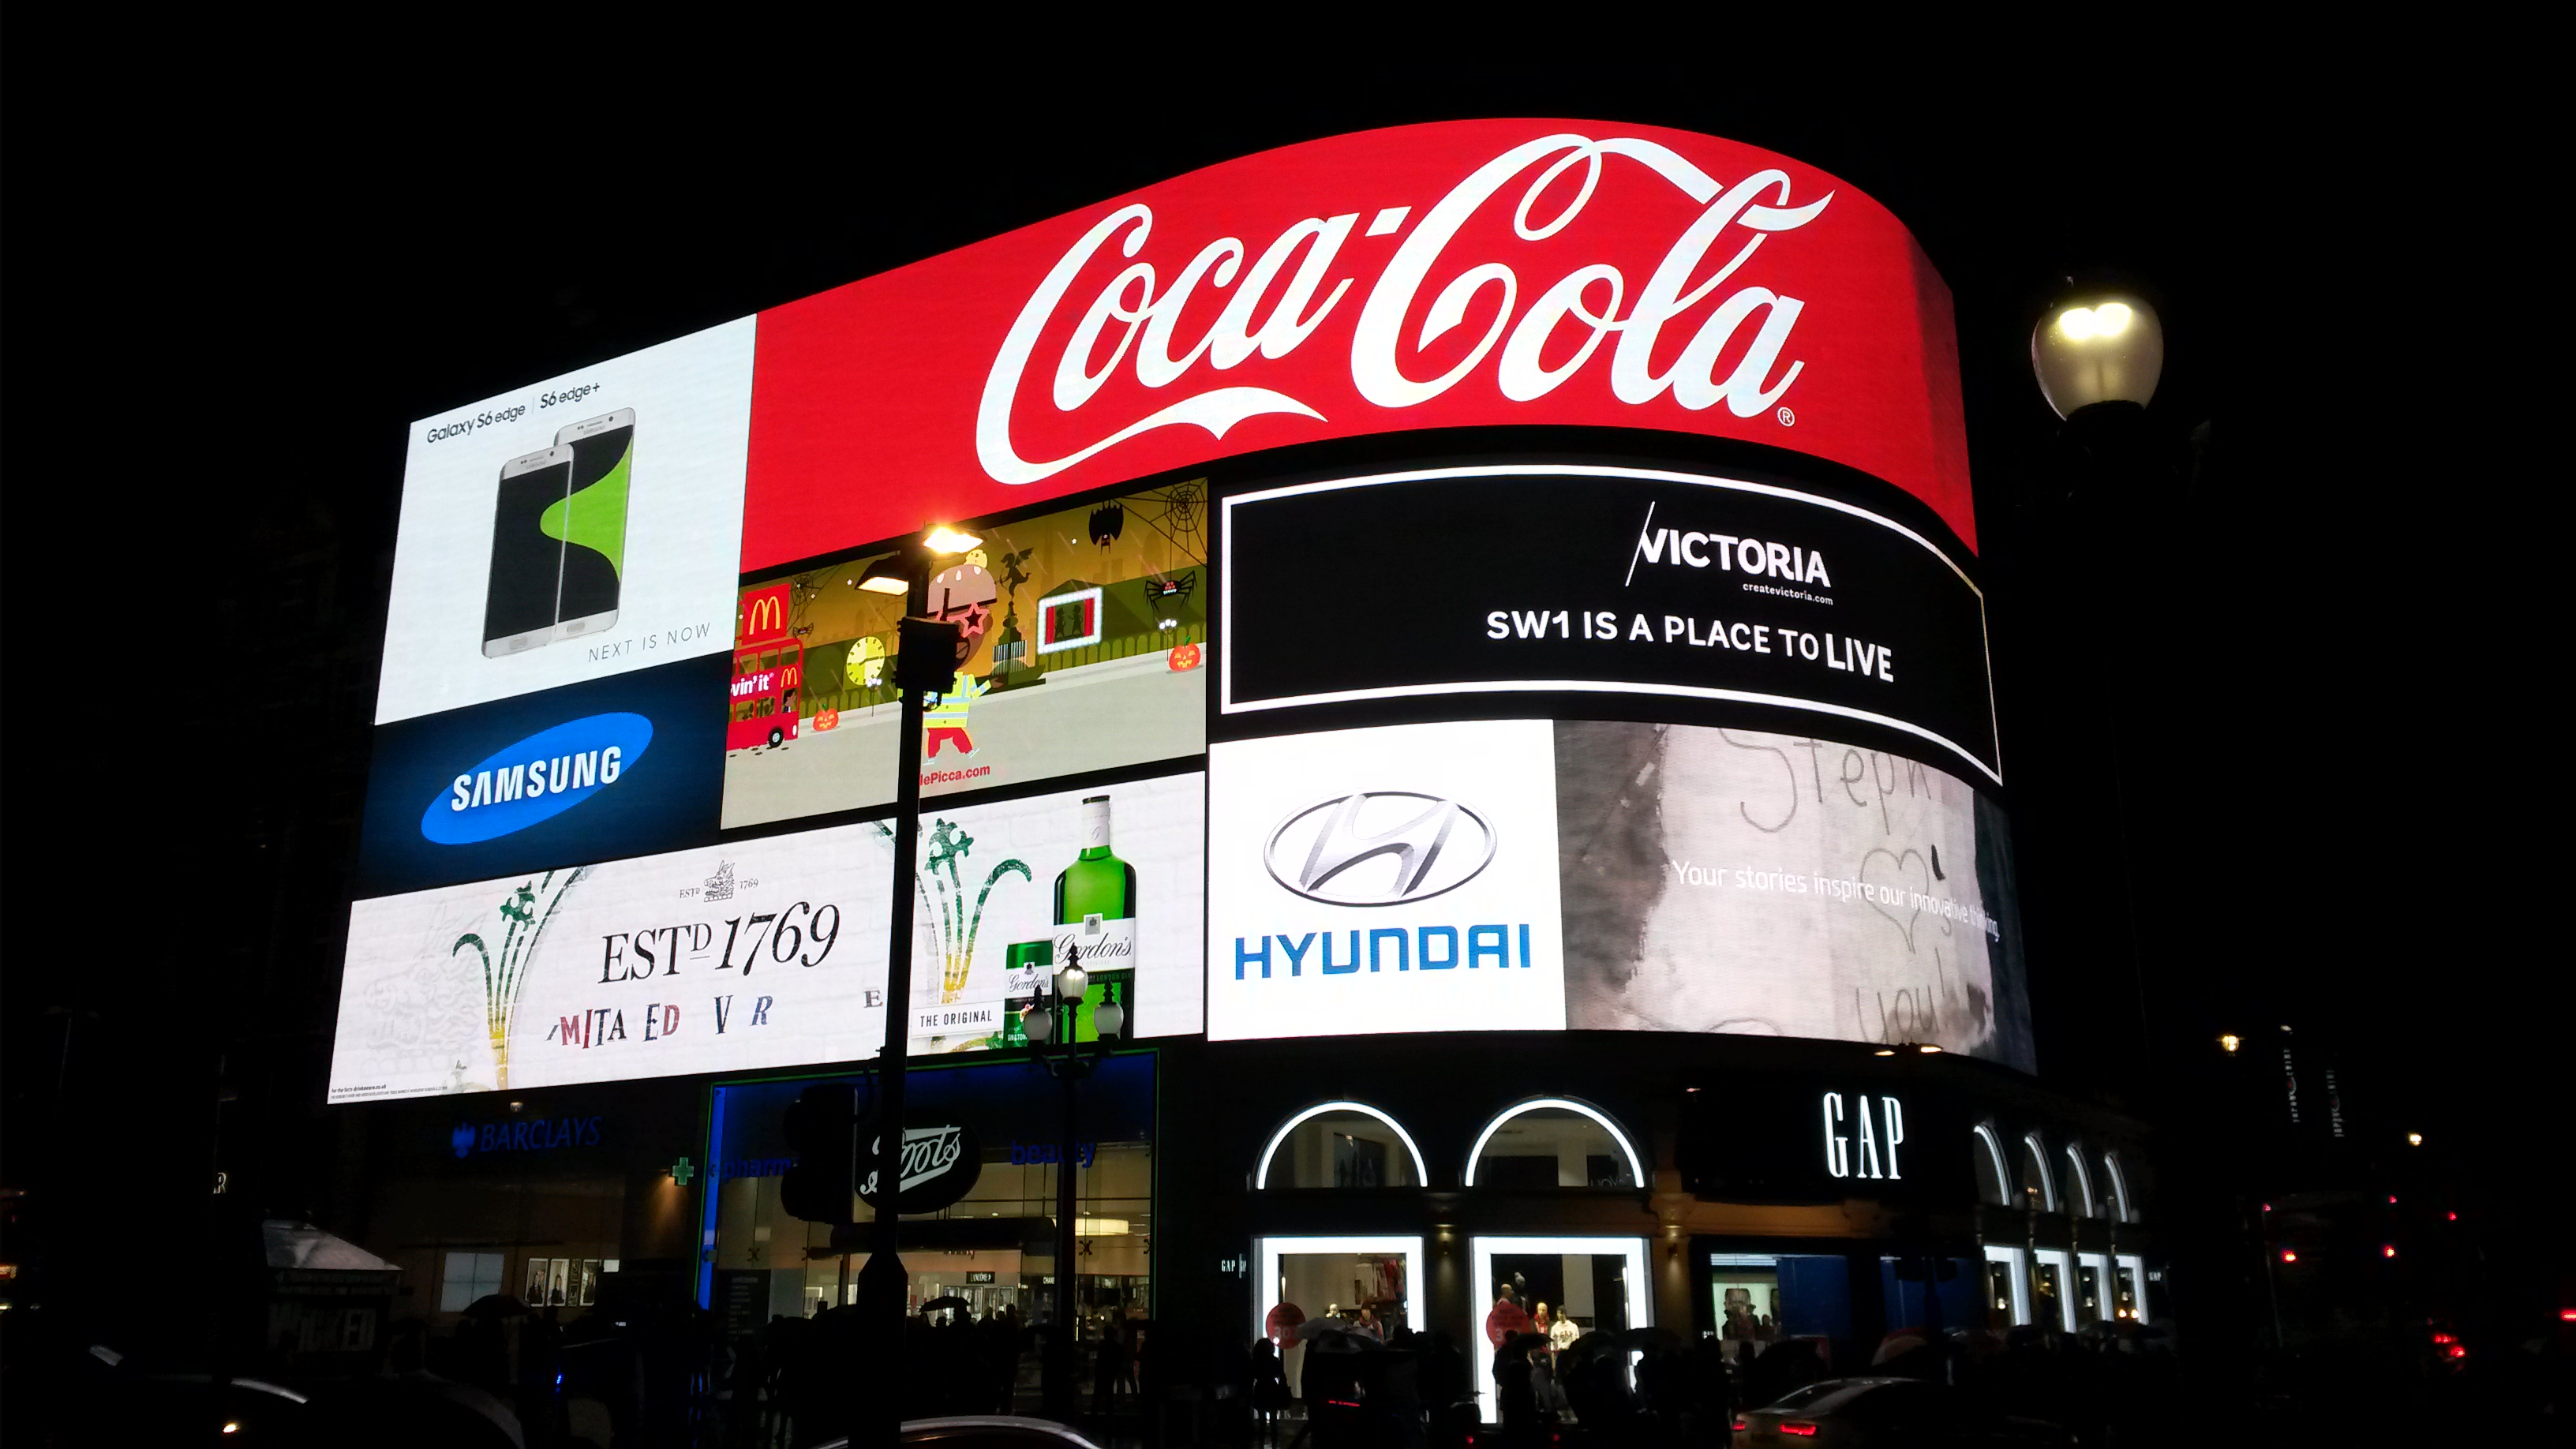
[1095, 904]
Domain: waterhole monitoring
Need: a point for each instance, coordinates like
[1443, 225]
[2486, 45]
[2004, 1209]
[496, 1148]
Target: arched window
[1992, 1176]
[2122, 1207]
[2079, 1184]
[1340, 1144]
[1553, 1142]
[2038, 1190]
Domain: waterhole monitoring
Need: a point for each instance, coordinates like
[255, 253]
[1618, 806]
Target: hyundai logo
[1379, 848]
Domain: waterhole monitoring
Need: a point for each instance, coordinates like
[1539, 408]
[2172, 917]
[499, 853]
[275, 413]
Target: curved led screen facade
[1509, 575]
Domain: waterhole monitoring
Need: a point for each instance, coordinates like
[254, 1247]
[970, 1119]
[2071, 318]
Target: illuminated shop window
[2007, 1286]
[468, 1277]
[562, 1282]
[2122, 1207]
[2092, 1289]
[2129, 1280]
[1366, 1283]
[2038, 1190]
[2079, 1184]
[1553, 1142]
[2052, 1281]
[1340, 1144]
[1591, 1285]
[1992, 1176]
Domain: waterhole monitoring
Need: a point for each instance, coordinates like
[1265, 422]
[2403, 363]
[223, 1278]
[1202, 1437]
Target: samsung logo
[536, 779]
[1379, 848]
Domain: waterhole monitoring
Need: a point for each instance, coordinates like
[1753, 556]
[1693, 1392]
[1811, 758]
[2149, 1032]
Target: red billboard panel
[1460, 274]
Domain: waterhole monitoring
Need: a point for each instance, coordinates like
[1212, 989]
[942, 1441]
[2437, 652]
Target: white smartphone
[594, 521]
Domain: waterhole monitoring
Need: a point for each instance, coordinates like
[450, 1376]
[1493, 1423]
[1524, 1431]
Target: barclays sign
[535, 1134]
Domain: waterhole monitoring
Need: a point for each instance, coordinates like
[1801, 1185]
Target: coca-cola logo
[940, 1165]
[1450, 275]
[1536, 333]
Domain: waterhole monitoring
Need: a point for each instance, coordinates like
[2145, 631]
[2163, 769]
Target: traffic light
[928, 653]
[822, 1130]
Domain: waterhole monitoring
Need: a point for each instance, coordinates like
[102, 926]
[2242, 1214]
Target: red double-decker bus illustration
[766, 679]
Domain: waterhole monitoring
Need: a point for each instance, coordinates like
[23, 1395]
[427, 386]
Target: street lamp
[2098, 353]
[1052, 1021]
[926, 659]
[2097, 347]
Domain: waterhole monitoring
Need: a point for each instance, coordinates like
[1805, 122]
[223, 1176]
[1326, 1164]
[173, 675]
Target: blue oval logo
[536, 779]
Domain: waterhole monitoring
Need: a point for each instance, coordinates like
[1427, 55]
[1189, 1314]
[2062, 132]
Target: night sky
[236, 273]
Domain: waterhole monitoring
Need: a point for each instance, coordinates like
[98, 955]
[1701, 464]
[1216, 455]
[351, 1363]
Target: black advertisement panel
[627, 765]
[1609, 579]
[1824, 1137]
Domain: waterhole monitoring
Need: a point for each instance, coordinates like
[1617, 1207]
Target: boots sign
[940, 1165]
[1456, 274]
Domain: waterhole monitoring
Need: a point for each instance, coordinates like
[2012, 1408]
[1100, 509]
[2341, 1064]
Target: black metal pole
[876, 1418]
[1062, 1400]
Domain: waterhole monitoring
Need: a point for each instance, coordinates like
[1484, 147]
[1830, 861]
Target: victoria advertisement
[1668, 588]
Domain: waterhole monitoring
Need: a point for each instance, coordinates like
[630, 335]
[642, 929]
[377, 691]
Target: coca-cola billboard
[1461, 274]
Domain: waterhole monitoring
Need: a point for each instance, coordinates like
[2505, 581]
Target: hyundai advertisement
[1599, 876]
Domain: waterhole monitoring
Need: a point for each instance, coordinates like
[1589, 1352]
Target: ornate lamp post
[1051, 1021]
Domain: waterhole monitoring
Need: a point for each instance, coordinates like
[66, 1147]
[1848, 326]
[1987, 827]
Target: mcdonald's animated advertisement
[1084, 636]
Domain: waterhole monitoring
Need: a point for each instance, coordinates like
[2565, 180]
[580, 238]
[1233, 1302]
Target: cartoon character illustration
[946, 719]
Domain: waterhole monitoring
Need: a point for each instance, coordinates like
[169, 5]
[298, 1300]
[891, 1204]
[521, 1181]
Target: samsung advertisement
[1645, 688]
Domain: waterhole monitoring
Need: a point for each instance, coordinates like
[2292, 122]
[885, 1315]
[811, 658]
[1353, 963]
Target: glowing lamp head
[2097, 348]
[1073, 981]
[887, 576]
[946, 540]
[2414, 1139]
[1109, 1017]
[1038, 1023]
[2230, 1042]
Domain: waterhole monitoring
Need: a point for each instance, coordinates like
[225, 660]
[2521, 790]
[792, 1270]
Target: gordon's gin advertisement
[772, 952]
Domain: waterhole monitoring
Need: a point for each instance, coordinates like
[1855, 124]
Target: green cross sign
[682, 1171]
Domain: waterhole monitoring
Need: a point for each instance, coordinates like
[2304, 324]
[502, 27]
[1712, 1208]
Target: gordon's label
[1105, 945]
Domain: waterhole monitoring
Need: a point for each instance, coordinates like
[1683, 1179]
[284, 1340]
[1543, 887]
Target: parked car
[985, 1431]
[1890, 1413]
